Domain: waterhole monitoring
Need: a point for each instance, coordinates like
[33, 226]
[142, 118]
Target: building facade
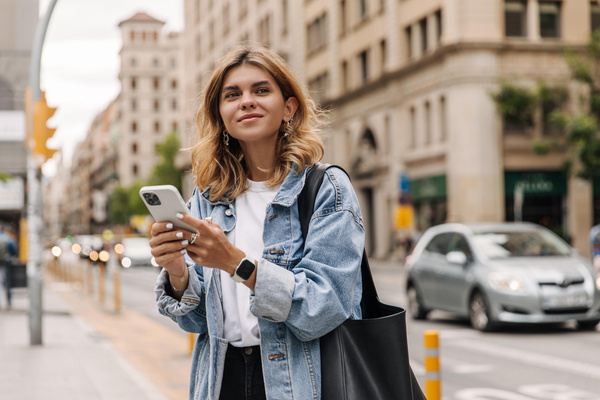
[150, 101]
[410, 86]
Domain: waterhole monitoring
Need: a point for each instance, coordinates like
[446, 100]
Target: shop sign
[535, 183]
[433, 187]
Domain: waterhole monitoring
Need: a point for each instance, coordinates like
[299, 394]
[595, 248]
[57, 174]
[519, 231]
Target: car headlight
[598, 282]
[503, 282]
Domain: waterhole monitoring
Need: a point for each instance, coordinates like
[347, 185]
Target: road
[523, 363]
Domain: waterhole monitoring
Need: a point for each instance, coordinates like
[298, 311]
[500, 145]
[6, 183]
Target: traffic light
[41, 133]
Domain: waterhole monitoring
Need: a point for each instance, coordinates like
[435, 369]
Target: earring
[226, 138]
[288, 127]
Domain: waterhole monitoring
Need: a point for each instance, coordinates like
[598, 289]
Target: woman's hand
[168, 247]
[211, 247]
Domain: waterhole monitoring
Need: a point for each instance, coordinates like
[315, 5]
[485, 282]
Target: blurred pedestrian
[259, 297]
[8, 250]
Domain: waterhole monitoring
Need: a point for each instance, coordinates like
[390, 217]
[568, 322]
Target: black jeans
[243, 376]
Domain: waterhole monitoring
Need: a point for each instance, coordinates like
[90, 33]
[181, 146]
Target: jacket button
[248, 350]
[228, 212]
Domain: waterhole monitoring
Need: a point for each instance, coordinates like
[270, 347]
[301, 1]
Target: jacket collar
[286, 195]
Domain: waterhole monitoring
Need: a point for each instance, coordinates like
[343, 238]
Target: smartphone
[163, 202]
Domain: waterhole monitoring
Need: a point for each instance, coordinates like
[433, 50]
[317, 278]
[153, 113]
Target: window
[439, 244]
[174, 84]
[363, 58]
[345, 75]
[133, 82]
[134, 148]
[174, 127]
[459, 243]
[156, 126]
[317, 34]
[132, 35]
[423, 29]
[595, 8]
[174, 105]
[515, 18]
[155, 36]
[134, 169]
[549, 19]
[173, 62]
[133, 61]
[438, 22]
[143, 36]
[408, 36]
[133, 104]
[342, 16]
[383, 49]
[318, 86]
[427, 123]
[264, 30]
[156, 105]
[155, 62]
[156, 82]
[443, 119]
[284, 17]
[134, 126]
[362, 9]
[413, 128]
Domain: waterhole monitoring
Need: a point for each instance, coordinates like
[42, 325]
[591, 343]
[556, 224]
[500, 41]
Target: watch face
[245, 269]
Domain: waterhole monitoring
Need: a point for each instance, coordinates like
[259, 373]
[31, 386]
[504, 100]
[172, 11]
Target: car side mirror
[456, 257]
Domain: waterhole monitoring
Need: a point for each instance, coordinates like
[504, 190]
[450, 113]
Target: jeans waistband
[243, 352]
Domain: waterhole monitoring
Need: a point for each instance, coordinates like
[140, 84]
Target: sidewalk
[88, 351]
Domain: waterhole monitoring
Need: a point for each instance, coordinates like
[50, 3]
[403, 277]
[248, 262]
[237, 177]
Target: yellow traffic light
[41, 133]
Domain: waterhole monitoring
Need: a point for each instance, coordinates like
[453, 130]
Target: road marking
[471, 368]
[545, 391]
[529, 357]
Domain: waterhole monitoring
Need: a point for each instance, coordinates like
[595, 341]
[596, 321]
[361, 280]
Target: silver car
[501, 273]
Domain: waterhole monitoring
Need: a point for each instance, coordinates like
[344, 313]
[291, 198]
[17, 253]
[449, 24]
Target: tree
[581, 126]
[4, 177]
[126, 202]
[165, 172]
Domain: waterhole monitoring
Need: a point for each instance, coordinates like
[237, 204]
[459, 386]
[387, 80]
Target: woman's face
[252, 106]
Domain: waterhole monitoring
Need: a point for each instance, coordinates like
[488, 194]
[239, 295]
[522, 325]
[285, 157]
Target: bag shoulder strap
[306, 204]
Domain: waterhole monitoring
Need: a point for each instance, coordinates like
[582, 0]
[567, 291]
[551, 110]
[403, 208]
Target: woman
[259, 297]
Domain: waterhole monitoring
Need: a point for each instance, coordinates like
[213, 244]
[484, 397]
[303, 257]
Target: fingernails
[185, 242]
[179, 215]
[179, 234]
[183, 251]
[169, 226]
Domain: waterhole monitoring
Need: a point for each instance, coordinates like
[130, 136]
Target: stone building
[409, 84]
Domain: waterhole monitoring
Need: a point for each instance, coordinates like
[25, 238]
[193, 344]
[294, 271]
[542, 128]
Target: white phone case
[163, 202]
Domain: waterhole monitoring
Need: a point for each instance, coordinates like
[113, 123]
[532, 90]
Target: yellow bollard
[432, 365]
[192, 338]
[117, 288]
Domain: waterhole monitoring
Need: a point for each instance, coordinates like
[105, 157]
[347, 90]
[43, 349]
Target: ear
[290, 107]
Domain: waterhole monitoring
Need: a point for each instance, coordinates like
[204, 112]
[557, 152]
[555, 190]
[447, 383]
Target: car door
[430, 263]
[453, 279]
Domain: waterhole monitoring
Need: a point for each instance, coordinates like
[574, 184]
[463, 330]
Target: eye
[262, 90]
[230, 95]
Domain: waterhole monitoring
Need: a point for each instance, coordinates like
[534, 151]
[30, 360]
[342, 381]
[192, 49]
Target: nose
[247, 102]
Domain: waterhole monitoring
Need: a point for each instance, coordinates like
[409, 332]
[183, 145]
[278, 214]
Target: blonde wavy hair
[222, 168]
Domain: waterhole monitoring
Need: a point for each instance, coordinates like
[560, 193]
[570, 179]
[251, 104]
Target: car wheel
[479, 313]
[415, 304]
[587, 325]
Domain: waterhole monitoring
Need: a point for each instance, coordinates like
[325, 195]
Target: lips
[250, 117]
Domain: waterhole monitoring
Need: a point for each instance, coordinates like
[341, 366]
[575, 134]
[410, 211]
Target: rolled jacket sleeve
[324, 288]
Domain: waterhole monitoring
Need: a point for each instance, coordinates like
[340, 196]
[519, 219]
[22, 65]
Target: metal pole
[432, 365]
[34, 193]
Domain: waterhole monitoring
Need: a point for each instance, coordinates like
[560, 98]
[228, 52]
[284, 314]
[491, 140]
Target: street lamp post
[34, 194]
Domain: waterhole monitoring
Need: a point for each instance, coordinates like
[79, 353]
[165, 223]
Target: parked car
[136, 252]
[501, 273]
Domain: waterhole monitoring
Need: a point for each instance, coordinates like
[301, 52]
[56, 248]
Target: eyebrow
[254, 85]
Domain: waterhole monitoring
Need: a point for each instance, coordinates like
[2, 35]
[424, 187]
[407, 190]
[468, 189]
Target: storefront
[430, 201]
[540, 198]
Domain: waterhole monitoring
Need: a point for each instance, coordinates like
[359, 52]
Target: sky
[80, 60]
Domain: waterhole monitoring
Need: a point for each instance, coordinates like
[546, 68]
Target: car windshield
[530, 243]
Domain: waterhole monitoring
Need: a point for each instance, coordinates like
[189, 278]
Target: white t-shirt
[239, 325]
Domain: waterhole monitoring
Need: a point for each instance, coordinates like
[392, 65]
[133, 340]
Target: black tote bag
[364, 359]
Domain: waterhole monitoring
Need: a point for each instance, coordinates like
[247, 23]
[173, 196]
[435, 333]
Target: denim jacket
[302, 291]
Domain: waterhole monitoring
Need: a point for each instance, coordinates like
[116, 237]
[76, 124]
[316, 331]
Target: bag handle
[306, 205]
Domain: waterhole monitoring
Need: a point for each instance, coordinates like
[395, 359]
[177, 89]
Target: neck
[260, 162]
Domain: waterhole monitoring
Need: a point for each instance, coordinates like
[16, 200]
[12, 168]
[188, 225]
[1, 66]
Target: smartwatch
[244, 270]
